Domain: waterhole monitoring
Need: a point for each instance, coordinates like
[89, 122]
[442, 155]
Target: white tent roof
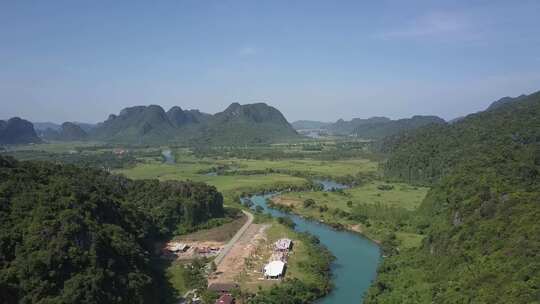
[274, 268]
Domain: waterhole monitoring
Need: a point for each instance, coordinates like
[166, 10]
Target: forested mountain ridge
[379, 130]
[17, 131]
[80, 235]
[344, 127]
[138, 124]
[480, 219]
[68, 131]
[43, 126]
[238, 124]
[427, 154]
[250, 123]
[371, 128]
[504, 101]
[180, 118]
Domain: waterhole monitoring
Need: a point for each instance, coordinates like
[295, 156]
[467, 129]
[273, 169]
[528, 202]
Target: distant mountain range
[238, 124]
[343, 127]
[68, 131]
[17, 131]
[505, 100]
[378, 130]
[43, 126]
[369, 128]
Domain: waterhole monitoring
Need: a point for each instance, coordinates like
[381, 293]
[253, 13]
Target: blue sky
[322, 60]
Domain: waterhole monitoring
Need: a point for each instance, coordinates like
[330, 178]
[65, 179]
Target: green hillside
[238, 124]
[380, 127]
[344, 127]
[251, 123]
[379, 130]
[138, 124]
[79, 235]
[180, 118]
[480, 218]
[68, 131]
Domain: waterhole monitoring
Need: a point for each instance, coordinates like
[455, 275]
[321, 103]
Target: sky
[318, 60]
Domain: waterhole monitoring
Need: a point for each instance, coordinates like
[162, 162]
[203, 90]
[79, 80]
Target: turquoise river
[356, 261]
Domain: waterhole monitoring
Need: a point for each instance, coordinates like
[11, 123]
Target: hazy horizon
[284, 114]
[312, 60]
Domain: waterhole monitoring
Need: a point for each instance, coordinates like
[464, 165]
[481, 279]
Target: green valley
[444, 201]
[269, 152]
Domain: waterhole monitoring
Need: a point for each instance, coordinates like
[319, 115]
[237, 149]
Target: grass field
[56, 147]
[313, 167]
[188, 171]
[189, 167]
[298, 256]
[402, 195]
[175, 274]
[250, 279]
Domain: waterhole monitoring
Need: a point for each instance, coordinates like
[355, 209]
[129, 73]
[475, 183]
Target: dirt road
[227, 248]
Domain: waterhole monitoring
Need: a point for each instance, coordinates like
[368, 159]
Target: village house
[283, 245]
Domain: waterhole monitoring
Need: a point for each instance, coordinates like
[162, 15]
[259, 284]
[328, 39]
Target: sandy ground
[284, 201]
[356, 228]
[233, 263]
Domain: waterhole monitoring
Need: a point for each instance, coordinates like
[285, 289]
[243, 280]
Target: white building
[274, 269]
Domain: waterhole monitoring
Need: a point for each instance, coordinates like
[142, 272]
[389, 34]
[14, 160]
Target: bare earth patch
[356, 228]
[234, 262]
[286, 201]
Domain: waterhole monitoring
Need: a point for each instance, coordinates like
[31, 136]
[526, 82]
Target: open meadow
[374, 209]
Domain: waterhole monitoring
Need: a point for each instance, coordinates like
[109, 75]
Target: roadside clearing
[227, 248]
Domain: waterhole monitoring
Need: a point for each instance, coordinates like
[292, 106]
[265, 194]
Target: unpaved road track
[235, 238]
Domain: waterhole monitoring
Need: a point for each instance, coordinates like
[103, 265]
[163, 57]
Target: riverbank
[376, 210]
[356, 257]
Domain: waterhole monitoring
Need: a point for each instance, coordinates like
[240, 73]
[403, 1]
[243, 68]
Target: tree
[308, 203]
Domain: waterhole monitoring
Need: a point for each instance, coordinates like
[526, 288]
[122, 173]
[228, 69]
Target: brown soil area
[234, 262]
[286, 201]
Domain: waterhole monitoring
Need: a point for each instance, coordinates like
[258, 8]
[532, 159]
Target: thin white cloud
[247, 51]
[431, 25]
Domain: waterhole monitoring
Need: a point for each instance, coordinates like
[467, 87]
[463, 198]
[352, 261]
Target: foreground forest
[481, 216]
[81, 235]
